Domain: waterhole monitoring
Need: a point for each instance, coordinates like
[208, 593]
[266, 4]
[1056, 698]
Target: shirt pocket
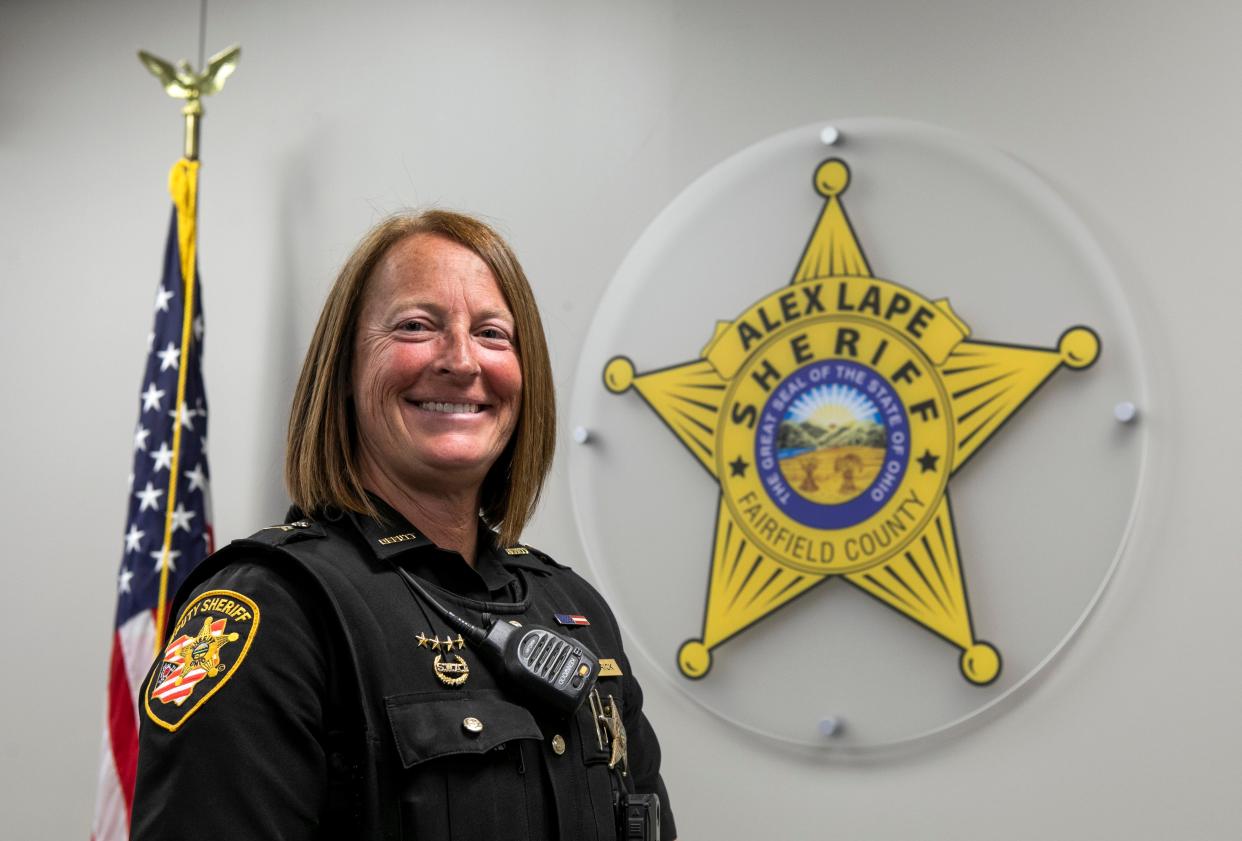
[464, 777]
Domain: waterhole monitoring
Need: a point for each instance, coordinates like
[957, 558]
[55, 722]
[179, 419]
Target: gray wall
[571, 125]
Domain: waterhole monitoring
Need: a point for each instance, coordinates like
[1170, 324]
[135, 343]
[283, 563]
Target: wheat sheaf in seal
[833, 413]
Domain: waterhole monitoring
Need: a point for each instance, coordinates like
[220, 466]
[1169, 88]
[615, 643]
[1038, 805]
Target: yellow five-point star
[832, 413]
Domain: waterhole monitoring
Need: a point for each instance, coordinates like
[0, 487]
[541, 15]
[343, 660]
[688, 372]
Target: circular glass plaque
[852, 471]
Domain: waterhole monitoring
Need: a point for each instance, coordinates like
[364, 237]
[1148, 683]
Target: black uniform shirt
[248, 756]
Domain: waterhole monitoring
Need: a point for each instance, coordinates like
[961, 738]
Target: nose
[457, 354]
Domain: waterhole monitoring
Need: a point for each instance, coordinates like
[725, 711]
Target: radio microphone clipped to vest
[553, 669]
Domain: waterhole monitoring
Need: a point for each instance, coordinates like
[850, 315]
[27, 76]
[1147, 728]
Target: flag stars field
[162, 298]
[122, 580]
[197, 477]
[181, 517]
[187, 416]
[149, 497]
[162, 458]
[169, 357]
[133, 538]
[151, 398]
[163, 559]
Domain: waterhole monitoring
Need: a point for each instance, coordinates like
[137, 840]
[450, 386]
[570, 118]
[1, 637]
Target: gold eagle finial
[181, 82]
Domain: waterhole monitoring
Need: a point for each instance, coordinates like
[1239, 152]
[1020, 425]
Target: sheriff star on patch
[206, 647]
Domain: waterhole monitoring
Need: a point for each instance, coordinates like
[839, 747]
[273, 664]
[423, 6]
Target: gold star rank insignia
[452, 672]
[833, 414]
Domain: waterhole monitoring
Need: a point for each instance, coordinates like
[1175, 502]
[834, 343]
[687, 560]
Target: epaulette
[521, 551]
[244, 549]
[282, 533]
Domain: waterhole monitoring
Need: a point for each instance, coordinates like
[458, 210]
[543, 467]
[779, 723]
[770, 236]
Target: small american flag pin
[571, 619]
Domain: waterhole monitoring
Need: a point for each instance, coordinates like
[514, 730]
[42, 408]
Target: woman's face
[435, 380]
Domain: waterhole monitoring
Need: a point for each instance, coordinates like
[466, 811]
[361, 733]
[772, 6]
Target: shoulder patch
[205, 649]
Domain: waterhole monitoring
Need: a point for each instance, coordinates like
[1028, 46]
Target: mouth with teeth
[448, 408]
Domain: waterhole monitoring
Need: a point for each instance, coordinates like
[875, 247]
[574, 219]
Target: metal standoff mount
[831, 725]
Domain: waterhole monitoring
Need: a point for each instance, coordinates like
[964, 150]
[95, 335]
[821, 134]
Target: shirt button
[558, 744]
[472, 724]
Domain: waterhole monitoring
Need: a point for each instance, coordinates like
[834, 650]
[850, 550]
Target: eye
[493, 333]
[412, 326]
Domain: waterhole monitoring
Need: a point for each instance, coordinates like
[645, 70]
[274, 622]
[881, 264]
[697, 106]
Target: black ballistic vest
[400, 762]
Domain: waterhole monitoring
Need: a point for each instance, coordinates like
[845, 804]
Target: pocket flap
[431, 725]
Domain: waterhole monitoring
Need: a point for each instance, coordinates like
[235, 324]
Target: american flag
[168, 527]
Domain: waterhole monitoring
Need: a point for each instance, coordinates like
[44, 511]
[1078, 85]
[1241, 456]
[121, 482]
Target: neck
[449, 516]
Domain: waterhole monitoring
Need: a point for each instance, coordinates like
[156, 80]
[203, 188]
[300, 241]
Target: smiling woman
[436, 379]
[403, 684]
[323, 465]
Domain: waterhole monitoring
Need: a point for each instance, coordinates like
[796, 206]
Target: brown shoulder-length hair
[321, 462]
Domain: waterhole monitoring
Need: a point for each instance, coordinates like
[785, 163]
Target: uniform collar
[388, 535]
[392, 538]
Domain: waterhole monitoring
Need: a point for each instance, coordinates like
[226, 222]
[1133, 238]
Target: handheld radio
[551, 668]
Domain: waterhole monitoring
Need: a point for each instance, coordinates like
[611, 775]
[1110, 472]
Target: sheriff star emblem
[833, 413]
